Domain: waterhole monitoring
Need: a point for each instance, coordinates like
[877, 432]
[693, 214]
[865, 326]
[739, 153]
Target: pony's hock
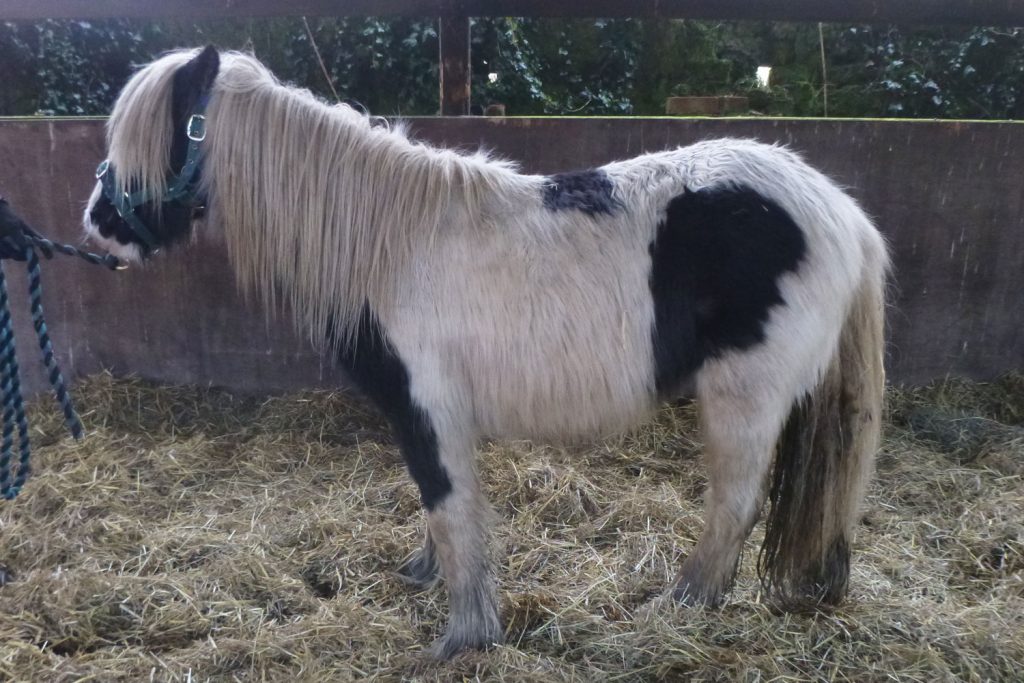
[467, 300]
[19, 242]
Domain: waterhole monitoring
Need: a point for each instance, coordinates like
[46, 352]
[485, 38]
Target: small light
[492, 77]
[764, 74]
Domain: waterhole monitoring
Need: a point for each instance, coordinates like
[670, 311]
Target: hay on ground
[196, 535]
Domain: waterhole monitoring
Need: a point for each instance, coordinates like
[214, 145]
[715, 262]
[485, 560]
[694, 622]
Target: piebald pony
[467, 299]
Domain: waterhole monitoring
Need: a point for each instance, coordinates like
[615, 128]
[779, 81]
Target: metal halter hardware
[180, 186]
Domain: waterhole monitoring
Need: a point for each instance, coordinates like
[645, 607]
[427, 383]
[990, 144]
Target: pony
[468, 300]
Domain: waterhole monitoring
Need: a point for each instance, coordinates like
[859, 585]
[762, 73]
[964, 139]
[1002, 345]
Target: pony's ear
[193, 79]
[205, 66]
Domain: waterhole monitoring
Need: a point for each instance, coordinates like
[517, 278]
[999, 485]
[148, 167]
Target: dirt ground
[196, 535]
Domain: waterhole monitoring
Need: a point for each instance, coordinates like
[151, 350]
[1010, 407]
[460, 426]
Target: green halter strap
[182, 186]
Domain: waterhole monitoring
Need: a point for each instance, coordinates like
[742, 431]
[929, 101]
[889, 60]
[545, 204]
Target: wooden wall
[948, 195]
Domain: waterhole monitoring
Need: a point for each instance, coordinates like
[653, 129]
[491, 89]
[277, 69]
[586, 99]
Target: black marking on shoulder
[382, 376]
[588, 191]
[715, 268]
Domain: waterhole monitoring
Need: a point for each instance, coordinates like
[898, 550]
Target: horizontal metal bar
[968, 12]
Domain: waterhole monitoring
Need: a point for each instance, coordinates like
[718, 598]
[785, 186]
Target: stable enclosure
[946, 194]
[235, 514]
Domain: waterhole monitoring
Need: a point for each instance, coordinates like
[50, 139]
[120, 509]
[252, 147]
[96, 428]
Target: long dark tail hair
[823, 460]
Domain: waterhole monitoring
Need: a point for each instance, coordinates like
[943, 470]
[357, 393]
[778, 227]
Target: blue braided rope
[6, 358]
[13, 406]
[35, 293]
[14, 416]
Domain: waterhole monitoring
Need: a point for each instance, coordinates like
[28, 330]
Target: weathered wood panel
[176, 319]
[948, 196]
[455, 81]
[969, 12]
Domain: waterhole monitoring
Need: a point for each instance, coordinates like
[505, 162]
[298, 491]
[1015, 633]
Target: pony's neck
[323, 211]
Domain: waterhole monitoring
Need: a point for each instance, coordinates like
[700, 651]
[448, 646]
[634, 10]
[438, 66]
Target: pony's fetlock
[477, 633]
[473, 623]
[421, 569]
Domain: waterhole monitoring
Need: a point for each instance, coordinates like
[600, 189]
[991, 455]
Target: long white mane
[321, 210]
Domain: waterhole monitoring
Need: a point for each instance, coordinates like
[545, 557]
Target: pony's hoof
[467, 637]
[692, 594]
[453, 643]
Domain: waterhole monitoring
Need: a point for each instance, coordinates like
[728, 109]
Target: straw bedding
[196, 535]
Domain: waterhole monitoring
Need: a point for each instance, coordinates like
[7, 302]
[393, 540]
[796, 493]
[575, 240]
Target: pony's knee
[421, 452]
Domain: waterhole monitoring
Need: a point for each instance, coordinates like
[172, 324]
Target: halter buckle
[102, 169]
[196, 128]
[124, 207]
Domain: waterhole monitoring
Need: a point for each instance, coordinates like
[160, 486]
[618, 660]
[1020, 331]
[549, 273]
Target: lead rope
[14, 417]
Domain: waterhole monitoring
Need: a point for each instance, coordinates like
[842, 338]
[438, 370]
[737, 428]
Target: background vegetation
[534, 66]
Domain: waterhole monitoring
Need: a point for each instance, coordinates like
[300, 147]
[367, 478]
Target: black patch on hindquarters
[587, 191]
[715, 268]
[380, 374]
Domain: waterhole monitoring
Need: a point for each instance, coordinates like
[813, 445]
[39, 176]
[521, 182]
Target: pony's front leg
[437, 443]
[458, 534]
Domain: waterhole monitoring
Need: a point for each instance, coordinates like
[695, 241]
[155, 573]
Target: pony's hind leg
[740, 427]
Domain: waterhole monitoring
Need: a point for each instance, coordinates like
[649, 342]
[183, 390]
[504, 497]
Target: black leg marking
[587, 191]
[715, 266]
[380, 374]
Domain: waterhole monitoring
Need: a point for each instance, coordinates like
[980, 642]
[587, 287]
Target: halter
[181, 186]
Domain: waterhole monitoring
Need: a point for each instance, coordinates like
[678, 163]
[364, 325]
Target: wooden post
[453, 37]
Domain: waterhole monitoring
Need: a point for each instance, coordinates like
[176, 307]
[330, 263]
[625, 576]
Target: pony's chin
[130, 253]
[126, 252]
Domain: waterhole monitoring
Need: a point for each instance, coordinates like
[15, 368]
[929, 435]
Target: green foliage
[543, 66]
[387, 66]
[68, 67]
[969, 73]
[555, 67]
[76, 68]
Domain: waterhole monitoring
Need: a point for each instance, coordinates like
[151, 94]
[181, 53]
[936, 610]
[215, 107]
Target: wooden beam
[953, 312]
[453, 37]
[966, 12]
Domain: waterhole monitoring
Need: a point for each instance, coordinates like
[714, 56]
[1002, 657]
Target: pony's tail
[824, 458]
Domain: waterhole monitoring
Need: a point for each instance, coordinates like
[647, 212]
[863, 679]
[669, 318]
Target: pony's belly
[560, 399]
